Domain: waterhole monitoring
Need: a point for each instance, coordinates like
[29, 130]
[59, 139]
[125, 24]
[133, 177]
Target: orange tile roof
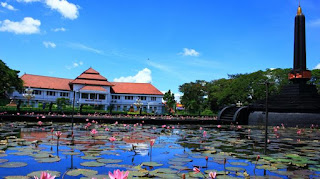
[91, 77]
[93, 88]
[37, 81]
[134, 88]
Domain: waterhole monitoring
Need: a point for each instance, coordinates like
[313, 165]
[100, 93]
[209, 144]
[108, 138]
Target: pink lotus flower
[207, 157]
[204, 133]
[172, 127]
[45, 175]
[116, 123]
[18, 114]
[112, 139]
[258, 157]
[52, 129]
[212, 174]
[152, 141]
[219, 126]
[93, 121]
[39, 123]
[200, 128]
[196, 170]
[299, 132]
[163, 126]
[239, 127]
[117, 174]
[93, 131]
[107, 129]
[89, 124]
[58, 134]
[43, 117]
[87, 119]
[154, 128]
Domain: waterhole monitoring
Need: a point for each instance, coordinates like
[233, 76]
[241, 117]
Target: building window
[93, 96]
[102, 96]
[51, 93]
[128, 97]
[118, 108]
[153, 98]
[144, 109]
[124, 108]
[142, 98]
[115, 97]
[63, 94]
[84, 95]
[36, 92]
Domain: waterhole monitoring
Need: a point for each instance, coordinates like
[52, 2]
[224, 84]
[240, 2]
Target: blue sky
[165, 42]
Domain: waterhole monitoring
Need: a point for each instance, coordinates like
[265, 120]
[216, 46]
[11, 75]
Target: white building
[90, 88]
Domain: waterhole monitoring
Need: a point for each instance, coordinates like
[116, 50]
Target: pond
[26, 149]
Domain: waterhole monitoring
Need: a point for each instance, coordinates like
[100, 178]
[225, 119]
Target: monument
[297, 103]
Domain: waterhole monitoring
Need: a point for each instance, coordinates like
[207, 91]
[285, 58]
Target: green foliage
[62, 102]
[9, 80]
[207, 112]
[315, 79]
[170, 101]
[193, 95]
[246, 88]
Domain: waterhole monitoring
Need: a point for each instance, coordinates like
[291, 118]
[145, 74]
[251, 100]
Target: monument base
[288, 119]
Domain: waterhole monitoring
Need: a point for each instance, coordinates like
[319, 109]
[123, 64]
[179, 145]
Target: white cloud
[317, 67]
[143, 76]
[59, 29]
[28, 1]
[315, 23]
[189, 52]
[8, 6]
[177, 96]
[48, 44]
[84, 47]
[27, 26]
[74, 65]
[65, 8]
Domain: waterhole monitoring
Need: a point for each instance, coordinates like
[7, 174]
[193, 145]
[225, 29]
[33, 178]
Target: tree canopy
[247, 88]
[170, 100]
[9, 80]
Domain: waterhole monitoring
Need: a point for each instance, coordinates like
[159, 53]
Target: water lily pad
[136, 174]
[239, 163]
[13, 164]
[109, 160]
[151, 164]
[71, 153]
[96, 177]
[48, 160]
[17, 177]
[38, 173]
[180, 160]
[3, 160]
[90, 157]
[85, 172]
[92, 164]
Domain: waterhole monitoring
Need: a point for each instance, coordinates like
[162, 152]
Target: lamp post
[28, 94]
[138, 103]
[267, 84]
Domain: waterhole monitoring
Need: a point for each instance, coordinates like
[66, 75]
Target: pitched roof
[134, 88]
[91, 77]
[93, 88]
[37, 81]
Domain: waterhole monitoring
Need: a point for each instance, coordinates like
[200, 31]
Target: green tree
[193, 96]
[170, 101]
[315, 79]
[9, 80]
[62, 102]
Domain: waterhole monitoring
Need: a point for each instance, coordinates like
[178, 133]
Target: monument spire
[299, 72]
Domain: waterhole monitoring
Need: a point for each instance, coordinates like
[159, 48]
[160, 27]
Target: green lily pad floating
[180, 160]
[92, 164]
[109, 160]
[71, 153]
[239, 163]
[96, 177]
[235, 169]
[164, 170]
[48, 160]
[179, 167]
[38, 173]
[267, 167]
[218, 172]
[89, 157]
[136, 174]
[17, 177]
[151, 164]
[167, 175]
[85, 172]
[13, 164]
[3, 160]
